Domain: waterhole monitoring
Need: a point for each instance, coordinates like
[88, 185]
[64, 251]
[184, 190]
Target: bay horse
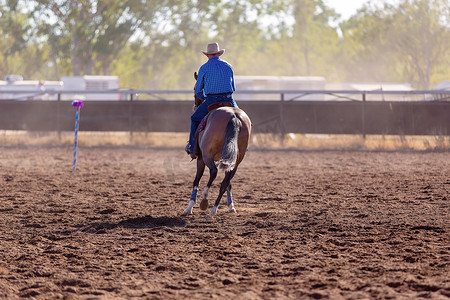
[222, 145]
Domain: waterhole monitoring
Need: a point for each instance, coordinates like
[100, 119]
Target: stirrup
[189, 152]
[187, 149]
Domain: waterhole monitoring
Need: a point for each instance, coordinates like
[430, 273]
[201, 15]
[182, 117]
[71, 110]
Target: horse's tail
[230, 148]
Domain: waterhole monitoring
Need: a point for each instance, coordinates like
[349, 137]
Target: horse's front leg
[198, 176]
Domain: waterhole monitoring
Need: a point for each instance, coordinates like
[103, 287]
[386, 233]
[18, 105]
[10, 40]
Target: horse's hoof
[231, 210]
[189, 209]
[185, 213]
[212, 212]
[204, 204]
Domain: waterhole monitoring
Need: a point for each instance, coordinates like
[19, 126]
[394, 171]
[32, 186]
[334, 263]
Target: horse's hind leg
[223, 187]
[198, 176]
[230, 202]
[212, 176]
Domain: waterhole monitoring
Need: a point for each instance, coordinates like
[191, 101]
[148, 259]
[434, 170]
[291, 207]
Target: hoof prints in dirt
[138, 222]
[310, 225]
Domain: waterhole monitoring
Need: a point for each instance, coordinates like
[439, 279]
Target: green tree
[405, 42]
[306, 44]
[174, 53]
[156, 44]
[16, 32]
[364, 54]
[312, 34]
[419, 33]
[90, 34]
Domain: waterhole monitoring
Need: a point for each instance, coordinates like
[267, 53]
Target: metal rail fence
[292, 112]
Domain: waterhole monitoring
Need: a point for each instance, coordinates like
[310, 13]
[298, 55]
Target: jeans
[202, 111]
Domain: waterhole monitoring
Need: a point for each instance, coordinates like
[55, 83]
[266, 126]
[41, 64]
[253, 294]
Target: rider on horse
[215, 83]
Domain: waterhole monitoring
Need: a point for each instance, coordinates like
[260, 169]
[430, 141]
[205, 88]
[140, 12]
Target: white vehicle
[374, 87]
[442, 86]
[278, 83]
[32, 89]
[91, 83]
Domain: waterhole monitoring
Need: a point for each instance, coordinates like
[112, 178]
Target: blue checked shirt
[214, 77]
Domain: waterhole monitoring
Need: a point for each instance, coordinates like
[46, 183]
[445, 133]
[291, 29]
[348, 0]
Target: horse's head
[197, 100]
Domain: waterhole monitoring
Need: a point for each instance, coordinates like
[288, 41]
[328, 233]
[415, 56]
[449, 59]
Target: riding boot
[191, 146]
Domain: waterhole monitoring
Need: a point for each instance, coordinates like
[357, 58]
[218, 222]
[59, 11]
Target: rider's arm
[232, 81]
[200, 84]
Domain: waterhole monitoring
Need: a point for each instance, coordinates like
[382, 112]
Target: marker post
[78, 104]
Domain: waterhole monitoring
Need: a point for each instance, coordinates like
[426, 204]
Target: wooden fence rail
[327, 117]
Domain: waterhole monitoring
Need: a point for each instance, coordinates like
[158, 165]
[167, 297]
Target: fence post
[364, 116]
[282, 129]
[130, 116]
[58, 116]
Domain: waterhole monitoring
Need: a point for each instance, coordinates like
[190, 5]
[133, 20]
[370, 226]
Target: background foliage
[156, 44]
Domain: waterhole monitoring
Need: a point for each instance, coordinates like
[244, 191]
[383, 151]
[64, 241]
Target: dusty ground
[311, 224]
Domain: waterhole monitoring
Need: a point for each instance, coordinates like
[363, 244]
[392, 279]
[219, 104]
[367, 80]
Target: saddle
[203, 123]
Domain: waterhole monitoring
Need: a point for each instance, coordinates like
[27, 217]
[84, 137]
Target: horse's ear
[195, 75]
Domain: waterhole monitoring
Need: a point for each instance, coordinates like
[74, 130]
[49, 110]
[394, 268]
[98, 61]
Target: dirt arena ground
[309, 225]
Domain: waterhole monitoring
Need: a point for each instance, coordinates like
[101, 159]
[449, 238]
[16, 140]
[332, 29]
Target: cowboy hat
[213, 48]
